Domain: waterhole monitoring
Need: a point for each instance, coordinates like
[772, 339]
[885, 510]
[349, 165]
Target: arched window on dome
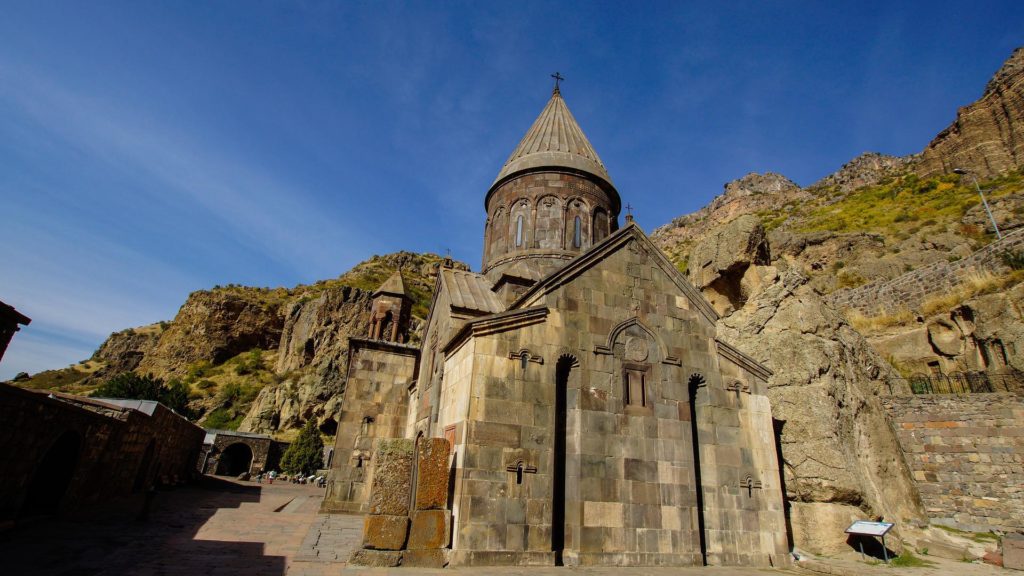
[577, 233]
[519, 231]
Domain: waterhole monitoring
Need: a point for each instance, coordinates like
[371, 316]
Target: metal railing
[1006, 380]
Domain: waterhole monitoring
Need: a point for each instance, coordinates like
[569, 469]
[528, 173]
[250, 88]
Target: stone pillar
[408, 525]
[386, 526]
[431, 524]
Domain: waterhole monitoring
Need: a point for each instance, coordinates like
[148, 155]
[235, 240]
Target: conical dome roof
[393, 285]
[554, 141]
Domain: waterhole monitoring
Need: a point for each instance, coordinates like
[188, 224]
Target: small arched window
[519, 231]
[577, 233]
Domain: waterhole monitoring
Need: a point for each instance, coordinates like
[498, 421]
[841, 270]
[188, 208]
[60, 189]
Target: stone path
[229, 528]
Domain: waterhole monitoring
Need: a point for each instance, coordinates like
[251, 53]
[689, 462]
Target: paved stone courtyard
[228, 528]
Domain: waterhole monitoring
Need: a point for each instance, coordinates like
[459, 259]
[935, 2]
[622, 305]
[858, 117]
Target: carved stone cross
[519, 468]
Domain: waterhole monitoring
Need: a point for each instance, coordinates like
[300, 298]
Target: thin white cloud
[282, 221]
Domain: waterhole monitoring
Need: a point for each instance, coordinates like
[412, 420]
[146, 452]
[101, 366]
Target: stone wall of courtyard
[967, 455]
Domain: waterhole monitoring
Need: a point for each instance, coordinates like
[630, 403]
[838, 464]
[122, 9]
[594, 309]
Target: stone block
[392, 477]
[430, 529]
[385, 532]
[432, 474]
[376, 558]
[1013, 551]
[425, 558]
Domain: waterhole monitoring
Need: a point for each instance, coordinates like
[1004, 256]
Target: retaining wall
[967, 455]
[909, 291]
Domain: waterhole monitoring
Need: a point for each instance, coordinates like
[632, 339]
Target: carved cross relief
[750, 484]
[519, 468]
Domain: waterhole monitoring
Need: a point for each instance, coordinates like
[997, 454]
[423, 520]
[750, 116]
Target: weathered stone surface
[392, 477]
[430, 529]
[945, 337]
[381, 532]
[719, 263]
[432, 474]
[1013, 551]
[987, 136]
[376, 558]
[819, 527]
[837, 443]
[425, 558]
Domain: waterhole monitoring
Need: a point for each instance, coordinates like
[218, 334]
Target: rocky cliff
[257, 359]
[766, 251]
[841, 459]
[215, 325]
[987, 136]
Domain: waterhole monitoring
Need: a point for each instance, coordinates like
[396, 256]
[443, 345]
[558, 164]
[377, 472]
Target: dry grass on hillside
[870, 324]
[975, 284]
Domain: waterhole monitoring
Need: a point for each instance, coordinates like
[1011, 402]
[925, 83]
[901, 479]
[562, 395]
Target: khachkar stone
[431, 524]
[392, 478]
[386, 527]
[395, 533]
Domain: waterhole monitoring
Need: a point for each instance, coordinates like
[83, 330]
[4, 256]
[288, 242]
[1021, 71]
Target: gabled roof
[554, 141]
[612, 243]
[470, 291]
[393, 285]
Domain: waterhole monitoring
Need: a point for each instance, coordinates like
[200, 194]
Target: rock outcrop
[316, 331]
[124, 350]
[723, 265]
[747, 195]
[979, 334]
[213, 326]
[837, 444]
[865, 170]
[987, 137]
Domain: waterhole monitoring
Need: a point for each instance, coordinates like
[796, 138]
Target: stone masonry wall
[967, 456]
[910, 290]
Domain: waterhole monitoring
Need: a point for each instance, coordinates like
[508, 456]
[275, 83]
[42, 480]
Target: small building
[231, 453]
[60, 452]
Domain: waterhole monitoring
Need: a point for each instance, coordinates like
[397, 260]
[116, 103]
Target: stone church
[592, 414]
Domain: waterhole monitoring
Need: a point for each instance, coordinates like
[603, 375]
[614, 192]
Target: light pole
[988, 211]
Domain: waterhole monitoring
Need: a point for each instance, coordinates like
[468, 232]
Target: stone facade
[60, 453]
[909, 291]
[374, 407]
[967, 455]
[593, 415]
[540, 221]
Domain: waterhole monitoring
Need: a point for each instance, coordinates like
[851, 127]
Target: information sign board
[869, 528]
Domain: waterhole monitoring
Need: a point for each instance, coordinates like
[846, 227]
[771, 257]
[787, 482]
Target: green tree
[135, 387]
[306, 454]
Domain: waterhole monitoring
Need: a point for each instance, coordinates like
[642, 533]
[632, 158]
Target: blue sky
[151, 149]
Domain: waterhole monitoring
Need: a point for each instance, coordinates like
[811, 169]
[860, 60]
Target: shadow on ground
[112, 539]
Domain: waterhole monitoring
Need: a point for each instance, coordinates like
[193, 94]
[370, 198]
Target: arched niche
[499, 232]
[548, 229]
[520, 231]
[577, 225]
